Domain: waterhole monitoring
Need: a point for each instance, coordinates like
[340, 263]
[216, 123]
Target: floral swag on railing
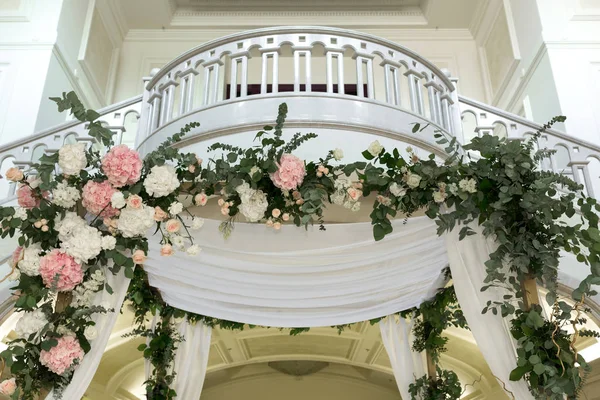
[81, 212]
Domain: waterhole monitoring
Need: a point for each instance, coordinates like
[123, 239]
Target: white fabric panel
[397, 337]
[191, 359]
[104, 324]
[302, 278]
[467, 262]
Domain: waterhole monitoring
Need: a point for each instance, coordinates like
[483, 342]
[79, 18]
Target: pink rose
[134, 201]
[14, 174]
[159, 214]
[62, 356]
[8, 387]
[27, 198]
[122, 166]
[60, 271]
[139, 257]
[354, 193]
[290, 172]
[96, 199]
[173, 226]
[201, 199]
[166, 250]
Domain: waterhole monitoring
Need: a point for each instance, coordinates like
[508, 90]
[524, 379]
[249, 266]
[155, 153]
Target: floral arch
[84, 216]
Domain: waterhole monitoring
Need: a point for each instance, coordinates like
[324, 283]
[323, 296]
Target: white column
[338, 54]
[362, 59]
[392, 84]
[211, 81]
[302, 51]
[266, 54]
[415, 91]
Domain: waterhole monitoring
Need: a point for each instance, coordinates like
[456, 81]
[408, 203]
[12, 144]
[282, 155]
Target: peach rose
[299, 202]
[45, 228]
[285, 217]
[14, 174]
[354, 193]
[139, 257]
[134, 201]
[159, 214]
[296, 195]
[319, 174]
[201, 199]
[198, 160]
[166, 250]
[173, 226]
[192, 168]
[277, 225]
[276, 212]
[8, 387]
[269, 223]
[225, 210]
[221, 202]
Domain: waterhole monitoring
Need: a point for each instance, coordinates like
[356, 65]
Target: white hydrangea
[175, 208]
[82, 297]
[197, 223]
[135, 221]
[90, 332]
[83, 244]
[254, 202]
[178, 241]
[117, 200]
[30, 264]
[20, 213]
[193, 250]
[355, 207]
[397, 190]
[468, 185]
[67, 226]
[338, 154]
[65, 196]
[453, 188]
[71, 158]
[375, 148]
[161, 181]
[108, 242]
[32, 322]
[63, 330]
[338, 197]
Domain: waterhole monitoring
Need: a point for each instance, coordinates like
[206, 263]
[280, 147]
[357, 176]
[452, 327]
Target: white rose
[65, 196]
[193, 250]
[254, 170]
[90, 332]
[161, 181]
[175, 208]
[117, 200]
[108, 242]
[71, 158]
[397, 190]
[439, 197]
[338, 154]
[178, 241]
[375, 148]
[31, 323]
[20, 213]
[197, 223]
[135, 221]
[412, 180]
[34, 182]
[30, 263]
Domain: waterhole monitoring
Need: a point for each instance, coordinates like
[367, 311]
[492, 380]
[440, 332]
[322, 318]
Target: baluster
[306, 52]
[332, 53]
[239, 60]
[582, 166]
[266, 54]
[434, 106]
[155, 98]
[187, 89]
[183, 95]
[367, 59]
[392, 85]
[169, 99]
[211, 73]
[446, 117]
[415, 91]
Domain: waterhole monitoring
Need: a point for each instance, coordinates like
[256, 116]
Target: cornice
[201, 35]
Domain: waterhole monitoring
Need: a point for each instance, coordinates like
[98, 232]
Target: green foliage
[445, 386]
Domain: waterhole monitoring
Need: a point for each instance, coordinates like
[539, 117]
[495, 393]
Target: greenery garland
[491, 181]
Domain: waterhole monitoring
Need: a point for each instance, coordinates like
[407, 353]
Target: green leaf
[367, 155]
[517, 373]
[539, 369]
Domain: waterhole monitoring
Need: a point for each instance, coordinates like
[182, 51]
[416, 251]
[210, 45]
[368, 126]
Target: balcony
[345, 85]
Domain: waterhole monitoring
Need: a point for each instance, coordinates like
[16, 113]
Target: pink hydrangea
[60, 271]
[26, 197]
[62, 356]
[122, 166]
[290, 172]
[96, 199]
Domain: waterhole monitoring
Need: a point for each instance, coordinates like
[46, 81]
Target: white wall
[57, 82]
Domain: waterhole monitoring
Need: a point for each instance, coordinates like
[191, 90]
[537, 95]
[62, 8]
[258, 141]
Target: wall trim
[526, 78]
[71, 76]
[23, 14]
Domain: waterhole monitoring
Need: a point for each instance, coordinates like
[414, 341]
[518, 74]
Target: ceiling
[371, 14]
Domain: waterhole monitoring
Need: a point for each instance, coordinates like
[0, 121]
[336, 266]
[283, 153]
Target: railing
[121, 118]
[573, 156]
[302, 61]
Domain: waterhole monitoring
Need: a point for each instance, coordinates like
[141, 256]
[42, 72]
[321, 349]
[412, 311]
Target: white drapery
[85, 371]
[467, 262]
[407, 365]
[302, 278]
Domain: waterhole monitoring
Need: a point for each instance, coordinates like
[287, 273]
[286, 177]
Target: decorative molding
[513, 103]
[277, 5]
[69, 73]
[114, 17]
[22, 14]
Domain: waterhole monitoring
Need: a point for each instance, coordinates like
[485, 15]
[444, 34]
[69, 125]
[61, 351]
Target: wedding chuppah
[446, 240]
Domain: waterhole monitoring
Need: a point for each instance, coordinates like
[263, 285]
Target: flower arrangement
[83, 215]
